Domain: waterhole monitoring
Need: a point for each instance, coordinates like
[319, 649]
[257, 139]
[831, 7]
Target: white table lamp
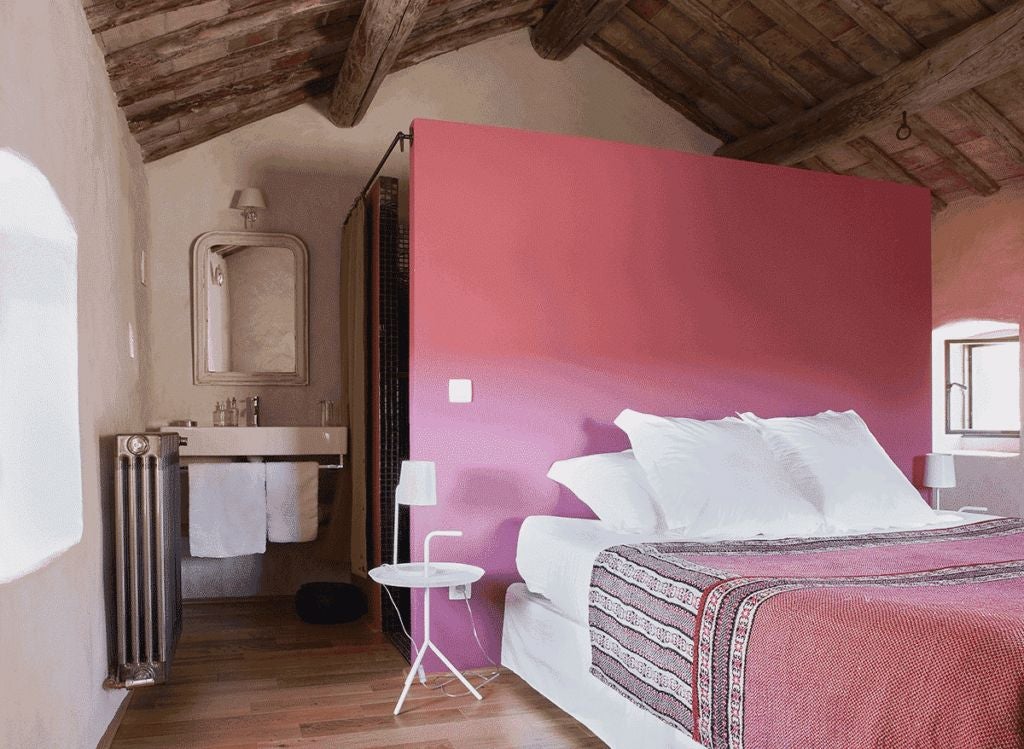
[939, 473]
[417, 485]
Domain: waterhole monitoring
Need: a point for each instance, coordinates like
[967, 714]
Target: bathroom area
[244, 354]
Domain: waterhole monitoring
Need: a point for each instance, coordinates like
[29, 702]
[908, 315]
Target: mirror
[249, 309]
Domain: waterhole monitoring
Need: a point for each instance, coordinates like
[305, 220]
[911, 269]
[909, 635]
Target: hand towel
[227, 509]
[292, 501]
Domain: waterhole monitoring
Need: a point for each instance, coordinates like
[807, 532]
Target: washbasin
[255, 441]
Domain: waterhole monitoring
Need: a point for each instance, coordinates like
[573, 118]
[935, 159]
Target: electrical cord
[443, 684]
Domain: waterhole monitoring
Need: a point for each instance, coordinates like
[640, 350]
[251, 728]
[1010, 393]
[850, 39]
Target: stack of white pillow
[745, 477]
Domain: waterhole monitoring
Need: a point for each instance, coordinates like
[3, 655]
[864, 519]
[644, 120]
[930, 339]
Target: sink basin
[256, 441]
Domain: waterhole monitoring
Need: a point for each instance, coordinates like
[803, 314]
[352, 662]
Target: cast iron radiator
[147, 564]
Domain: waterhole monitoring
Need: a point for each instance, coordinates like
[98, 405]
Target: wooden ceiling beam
[755, 59]
[794, 24]
[884, 163]
[817, 164]
[570, 24]
[882, 27]
[106, 15]
[977, 54]
[193, 136]
[630, 67]
[703, 84]
[991, 122]
[470, 30]
[980, 182]
[380, 34]
[292, 51]
[223, 31]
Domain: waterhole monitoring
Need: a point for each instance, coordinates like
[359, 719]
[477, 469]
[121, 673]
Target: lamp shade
[417, 484]
[251, 197]
[939, 471]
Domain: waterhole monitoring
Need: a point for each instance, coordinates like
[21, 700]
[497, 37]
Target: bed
[844, 628]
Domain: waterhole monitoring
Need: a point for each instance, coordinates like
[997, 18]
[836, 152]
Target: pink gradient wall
[570, 278]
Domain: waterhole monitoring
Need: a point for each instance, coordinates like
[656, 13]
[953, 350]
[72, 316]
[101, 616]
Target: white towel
[291, 501]
[227, 509]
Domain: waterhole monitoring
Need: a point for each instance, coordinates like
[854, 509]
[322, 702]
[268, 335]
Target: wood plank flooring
[250, 675]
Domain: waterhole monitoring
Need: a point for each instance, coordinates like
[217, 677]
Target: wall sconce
[250, 201]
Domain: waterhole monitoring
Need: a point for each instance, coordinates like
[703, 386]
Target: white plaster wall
[311, 172]
[57, 110]
[978, 274]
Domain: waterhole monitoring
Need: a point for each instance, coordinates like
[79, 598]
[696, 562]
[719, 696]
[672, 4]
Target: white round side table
[426, 576]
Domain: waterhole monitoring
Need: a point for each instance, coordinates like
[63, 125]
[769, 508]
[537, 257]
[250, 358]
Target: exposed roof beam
[992, 122]
[755, 59]
[834, 58]
[380, 33]
[980, 182]
[217, 35]
[980, 53]
[569, 24]
[884, 163]
[881, 26]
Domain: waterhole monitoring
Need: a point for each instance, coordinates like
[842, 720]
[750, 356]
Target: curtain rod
[399, 139]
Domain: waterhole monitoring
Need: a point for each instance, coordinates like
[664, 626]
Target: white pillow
[717, 478]
[844, 472]
[614, 486]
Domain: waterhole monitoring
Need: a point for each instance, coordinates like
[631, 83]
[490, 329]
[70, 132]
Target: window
[983, 386]
[40, 449]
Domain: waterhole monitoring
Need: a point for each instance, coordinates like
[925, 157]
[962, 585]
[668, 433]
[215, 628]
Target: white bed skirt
[551, 653]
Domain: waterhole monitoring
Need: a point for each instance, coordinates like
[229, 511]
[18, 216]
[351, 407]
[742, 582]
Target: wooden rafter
[570, 24]
[759, 62]
[111, 13]
[992, 122]
[980, 53]
[980, 182]
[840, 63]
[383, 27]
[700, 82]
[630, 67]
[884, 163]
[882, 27]
[219, 34]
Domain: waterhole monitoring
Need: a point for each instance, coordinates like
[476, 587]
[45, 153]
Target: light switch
[460, 391]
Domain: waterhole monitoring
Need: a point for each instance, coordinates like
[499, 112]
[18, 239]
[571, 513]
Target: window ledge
[986, 453]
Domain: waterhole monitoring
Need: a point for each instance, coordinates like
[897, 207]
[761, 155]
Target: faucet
[252, 411]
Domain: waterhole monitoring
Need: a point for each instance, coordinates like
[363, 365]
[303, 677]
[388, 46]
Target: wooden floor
[250, 675]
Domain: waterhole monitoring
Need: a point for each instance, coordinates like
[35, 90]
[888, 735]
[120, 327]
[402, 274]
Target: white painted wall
[311, 171]
[978, 274]
[58, 111]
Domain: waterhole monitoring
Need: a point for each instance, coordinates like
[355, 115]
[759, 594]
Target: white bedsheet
[552, 654]
[555, 556]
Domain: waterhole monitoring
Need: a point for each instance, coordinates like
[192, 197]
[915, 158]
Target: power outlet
[460, 592]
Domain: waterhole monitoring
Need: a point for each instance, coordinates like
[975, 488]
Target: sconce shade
[417, 484]
[939, 471]
[251, 197]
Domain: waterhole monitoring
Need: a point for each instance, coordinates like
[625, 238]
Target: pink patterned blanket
[909, 639]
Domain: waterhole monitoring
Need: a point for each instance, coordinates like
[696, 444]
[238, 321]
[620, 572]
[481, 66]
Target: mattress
[551, 653]
[555, 556]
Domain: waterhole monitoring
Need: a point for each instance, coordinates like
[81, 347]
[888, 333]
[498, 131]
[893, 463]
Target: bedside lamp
[939, 473]
[417, 486]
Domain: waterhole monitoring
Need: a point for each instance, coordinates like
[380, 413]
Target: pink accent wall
[570, 278]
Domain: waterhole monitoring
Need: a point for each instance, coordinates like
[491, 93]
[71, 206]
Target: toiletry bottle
[252, 411]
[218, 415]
[232, 419]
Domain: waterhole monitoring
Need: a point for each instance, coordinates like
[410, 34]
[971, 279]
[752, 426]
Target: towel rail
[322, 467]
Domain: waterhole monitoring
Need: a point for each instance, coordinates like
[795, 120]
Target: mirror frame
[201, 247]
